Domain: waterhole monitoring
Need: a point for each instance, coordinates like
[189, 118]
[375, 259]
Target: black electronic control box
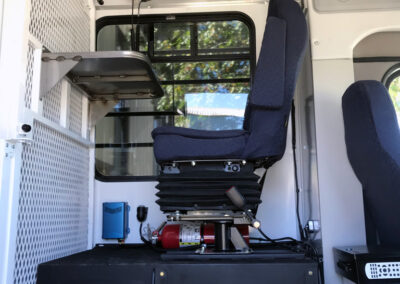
[362, 264]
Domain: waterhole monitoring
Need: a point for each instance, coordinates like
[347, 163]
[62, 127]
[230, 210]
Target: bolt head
[26, 128]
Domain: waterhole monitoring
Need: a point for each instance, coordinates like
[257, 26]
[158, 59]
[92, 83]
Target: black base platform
[129, 264]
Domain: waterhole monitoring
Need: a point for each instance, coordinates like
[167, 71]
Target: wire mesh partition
[54, 188]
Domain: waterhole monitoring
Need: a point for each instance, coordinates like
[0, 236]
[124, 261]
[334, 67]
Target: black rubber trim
[104, 178]
[376, 59]
[390, 75]
[124, 145]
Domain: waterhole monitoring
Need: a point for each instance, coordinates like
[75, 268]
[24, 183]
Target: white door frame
[14, 18]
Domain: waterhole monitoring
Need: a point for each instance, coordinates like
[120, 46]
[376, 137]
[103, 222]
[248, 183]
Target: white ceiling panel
[355, 5]
[121, 4]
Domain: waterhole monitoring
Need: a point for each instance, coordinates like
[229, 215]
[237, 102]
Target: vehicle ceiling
[168, 3]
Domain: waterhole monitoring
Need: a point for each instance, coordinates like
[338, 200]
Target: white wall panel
[355, 5]
[341, 204]
[136, 194]
[277, 212]
[334, 35]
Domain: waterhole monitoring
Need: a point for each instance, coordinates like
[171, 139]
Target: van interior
[199, 141]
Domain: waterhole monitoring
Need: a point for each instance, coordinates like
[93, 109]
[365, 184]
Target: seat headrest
[284, 42]
[269, 79]
[368, 110]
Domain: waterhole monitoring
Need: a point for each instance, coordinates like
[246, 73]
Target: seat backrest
[373, 147]
[269, 104]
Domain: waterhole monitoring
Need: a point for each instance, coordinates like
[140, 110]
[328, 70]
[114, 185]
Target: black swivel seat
[198, 166]
[373, 147]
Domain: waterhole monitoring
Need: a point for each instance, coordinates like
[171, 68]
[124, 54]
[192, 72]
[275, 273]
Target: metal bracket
[170, 169]
[22, 140]
[98, 109]
[53, 69]
[210, 215]
[22, 137]
[232, 167]
[237, 240]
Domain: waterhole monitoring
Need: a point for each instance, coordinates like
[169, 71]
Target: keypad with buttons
[383, 270]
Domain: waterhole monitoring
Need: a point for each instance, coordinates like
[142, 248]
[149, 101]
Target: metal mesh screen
[52, 220]
[52, 103]
[29, 75]
[75, 111]
[61, 26]
[54, 188]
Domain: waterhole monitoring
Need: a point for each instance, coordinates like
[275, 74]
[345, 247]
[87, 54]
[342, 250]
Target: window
[204, 64]
[392, 82]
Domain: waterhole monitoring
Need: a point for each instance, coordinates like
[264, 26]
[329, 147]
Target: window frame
[182, 18]
[390, 75]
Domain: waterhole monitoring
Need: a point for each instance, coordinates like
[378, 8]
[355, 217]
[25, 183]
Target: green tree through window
[394, 91]
[204, 67]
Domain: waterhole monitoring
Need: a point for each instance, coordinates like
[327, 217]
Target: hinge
[9, 150]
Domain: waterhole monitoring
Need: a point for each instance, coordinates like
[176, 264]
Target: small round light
[256, 224]
[162, 274]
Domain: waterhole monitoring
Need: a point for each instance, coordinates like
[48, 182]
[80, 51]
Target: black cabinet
[142, 265]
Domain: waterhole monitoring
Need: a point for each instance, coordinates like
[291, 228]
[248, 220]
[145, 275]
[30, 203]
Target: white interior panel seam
[334, 35]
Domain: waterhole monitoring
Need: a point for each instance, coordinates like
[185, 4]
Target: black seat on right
[373, 146]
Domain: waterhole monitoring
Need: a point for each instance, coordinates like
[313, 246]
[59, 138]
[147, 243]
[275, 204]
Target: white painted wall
[12, 66]
[333, 37]
[277, 212]
[126, 4]
[12, 79]
[1, 18]
[136, 194]
[340, 192]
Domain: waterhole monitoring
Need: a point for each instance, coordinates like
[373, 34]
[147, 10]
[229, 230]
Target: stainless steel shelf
[103, 75]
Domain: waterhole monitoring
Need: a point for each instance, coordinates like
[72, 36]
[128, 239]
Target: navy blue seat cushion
[177, 143]
[269, 83]
[269, 104]
[373, 147]
[268, 124]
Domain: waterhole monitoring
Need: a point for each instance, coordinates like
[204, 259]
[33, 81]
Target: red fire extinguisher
[175, 236]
